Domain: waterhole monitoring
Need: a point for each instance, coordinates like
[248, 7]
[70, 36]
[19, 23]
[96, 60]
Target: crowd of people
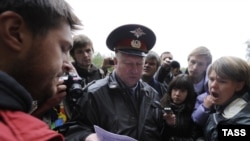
[145, 97]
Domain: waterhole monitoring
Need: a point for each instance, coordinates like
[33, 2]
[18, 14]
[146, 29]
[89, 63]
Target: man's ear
[11, 25]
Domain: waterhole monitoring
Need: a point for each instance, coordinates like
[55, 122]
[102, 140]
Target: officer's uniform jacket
[109, 105]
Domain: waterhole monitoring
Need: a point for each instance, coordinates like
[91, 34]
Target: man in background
[198, 61]
[152, 62]
[165, 58]
[82, 53]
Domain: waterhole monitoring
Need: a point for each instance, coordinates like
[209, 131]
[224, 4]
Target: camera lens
[75, 91]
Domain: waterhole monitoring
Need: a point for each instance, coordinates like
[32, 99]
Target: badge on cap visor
[136, 43]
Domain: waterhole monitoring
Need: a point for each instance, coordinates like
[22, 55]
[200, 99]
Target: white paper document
[104, 135]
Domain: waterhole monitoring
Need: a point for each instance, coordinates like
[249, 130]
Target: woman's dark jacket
[217, 118]
[185, 129]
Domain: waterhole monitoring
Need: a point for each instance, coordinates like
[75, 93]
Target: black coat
[110, 106]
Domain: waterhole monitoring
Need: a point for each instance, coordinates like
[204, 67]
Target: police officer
[122, 103]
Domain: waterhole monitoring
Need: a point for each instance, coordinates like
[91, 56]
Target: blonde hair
[202, 51]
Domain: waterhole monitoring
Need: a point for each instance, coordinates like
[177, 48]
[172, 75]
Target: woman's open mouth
[215, 94]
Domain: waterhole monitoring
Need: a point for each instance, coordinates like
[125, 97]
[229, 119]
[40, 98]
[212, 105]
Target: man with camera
[56, 110]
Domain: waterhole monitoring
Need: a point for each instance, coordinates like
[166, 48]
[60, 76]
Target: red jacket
[20, 126]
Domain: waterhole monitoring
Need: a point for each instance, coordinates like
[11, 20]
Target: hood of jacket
[13, 95]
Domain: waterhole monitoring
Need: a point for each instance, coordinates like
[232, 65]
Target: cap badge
[138, 32]
[136, 43]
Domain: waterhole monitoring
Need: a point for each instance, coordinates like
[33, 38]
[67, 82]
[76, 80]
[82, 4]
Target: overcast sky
[180, 25]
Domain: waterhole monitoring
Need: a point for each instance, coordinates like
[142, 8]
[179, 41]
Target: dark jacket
[241, 118]
[93, 73]
[185, 129]
[110, 106]
[161, 88]
[15, 122]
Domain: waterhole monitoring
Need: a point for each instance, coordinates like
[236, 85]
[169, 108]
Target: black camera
[167, 110]
[74, 85]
